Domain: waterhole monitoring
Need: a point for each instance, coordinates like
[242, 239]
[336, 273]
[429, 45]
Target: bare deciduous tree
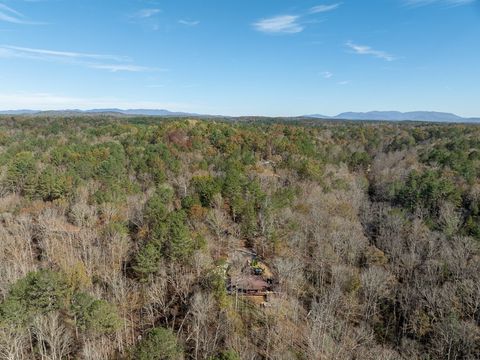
[54, 340]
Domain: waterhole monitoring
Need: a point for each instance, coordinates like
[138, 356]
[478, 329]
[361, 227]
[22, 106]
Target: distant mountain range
[372, 115]
[398, 116]
[18, 112]
[143, 112]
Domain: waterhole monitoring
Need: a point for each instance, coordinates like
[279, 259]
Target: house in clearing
[249, 285]
[248, 276]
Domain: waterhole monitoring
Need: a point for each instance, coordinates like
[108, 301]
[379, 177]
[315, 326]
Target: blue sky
[245, 57]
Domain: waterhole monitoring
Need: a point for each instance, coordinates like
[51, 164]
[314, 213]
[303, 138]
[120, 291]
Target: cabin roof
[255, 283]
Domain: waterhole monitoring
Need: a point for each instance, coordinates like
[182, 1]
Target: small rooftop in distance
[250, 283]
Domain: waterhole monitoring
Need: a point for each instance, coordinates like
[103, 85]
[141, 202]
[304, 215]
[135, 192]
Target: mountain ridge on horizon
[433, 116]
[146, 112]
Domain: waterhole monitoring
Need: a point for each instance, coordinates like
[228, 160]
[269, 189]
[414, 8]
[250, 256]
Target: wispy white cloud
[10, 10]
[122, 67]
[326, 74]
[367, 50]
[449, 3]
[345, 82]
[146, 13]
[291, 23]
[189, 22]
[286, 24]
[26, 52]
[7, 14]
[146, 18]
[324, 8]
[112, 63]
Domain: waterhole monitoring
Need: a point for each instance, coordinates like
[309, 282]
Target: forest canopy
[127, 238]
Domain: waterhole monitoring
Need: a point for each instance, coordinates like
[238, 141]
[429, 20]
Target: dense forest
[227, 239]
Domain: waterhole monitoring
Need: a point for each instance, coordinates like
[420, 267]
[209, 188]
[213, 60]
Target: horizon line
[198, 114]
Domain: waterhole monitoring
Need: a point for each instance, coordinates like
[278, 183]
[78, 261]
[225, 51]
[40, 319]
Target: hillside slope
[141, 238]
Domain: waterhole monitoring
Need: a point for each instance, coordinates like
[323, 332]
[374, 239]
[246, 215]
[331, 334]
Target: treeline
[117, 236]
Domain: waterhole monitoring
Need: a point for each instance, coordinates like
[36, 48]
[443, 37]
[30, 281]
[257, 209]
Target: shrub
[359, 160]
[206, 187]
[159, 344]
[46, 291]
[21, 168]
[52, 185]
[156, 207]
[427, 190]
[147, 260]
[94, 315]
[38, 293]
[179, 242]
